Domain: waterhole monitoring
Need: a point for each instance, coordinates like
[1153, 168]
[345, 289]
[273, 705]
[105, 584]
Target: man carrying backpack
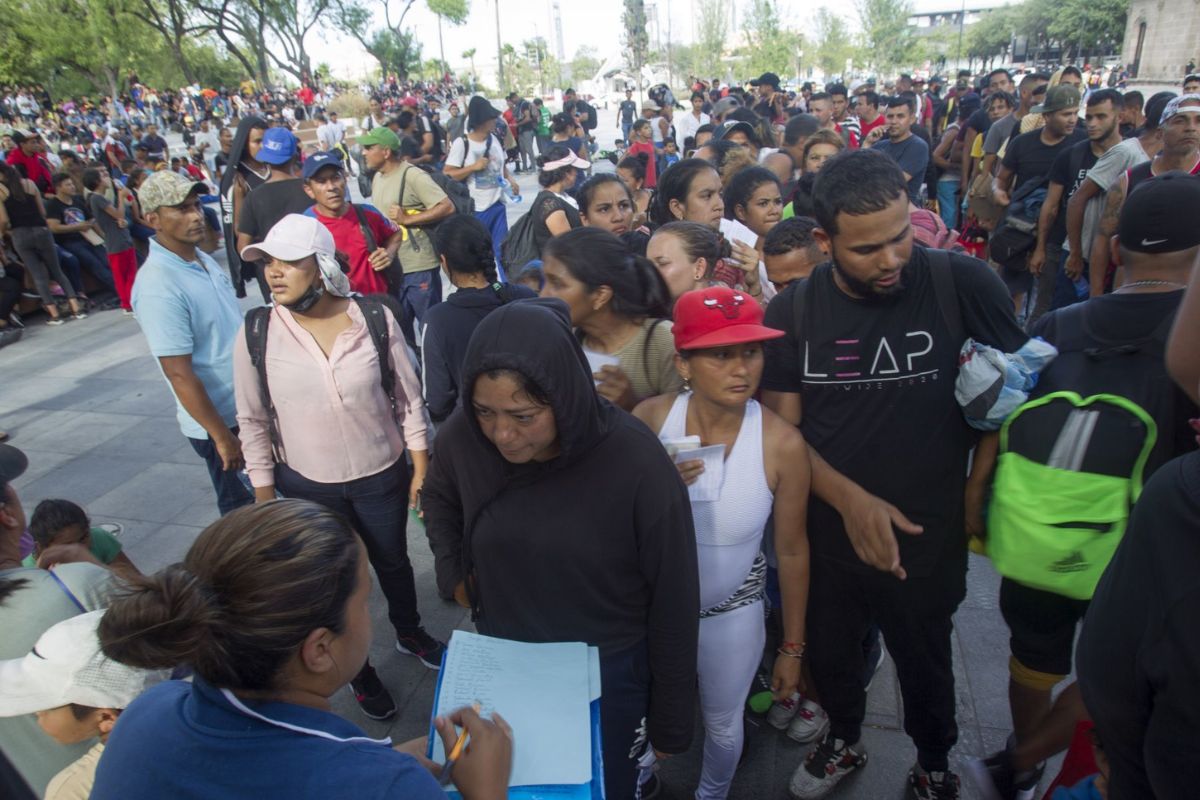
[477, 159]
[1104, 416]
[412, 199]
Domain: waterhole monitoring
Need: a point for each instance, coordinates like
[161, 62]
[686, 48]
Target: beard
[867, 290]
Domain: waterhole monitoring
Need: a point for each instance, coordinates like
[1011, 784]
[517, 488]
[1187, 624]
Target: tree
[637, 37]
[711, 32]
[585, 64]
[989, 37]
[887, 39]
[455, 11]
[769, 47]
[470, 56]
[835, 47]
[290, 22]
[177, 22]
[1083, 27]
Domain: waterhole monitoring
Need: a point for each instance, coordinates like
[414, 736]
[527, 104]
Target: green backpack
[1069, 471]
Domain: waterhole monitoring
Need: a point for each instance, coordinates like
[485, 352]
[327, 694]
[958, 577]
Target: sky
[584, 22]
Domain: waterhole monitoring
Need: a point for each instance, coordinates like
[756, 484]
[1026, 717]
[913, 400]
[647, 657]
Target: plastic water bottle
[509, 197]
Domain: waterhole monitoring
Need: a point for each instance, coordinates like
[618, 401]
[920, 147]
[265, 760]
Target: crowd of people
[909, 323]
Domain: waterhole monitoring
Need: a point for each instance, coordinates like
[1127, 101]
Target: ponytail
[596, 258]
[248, 593]
[467, 245]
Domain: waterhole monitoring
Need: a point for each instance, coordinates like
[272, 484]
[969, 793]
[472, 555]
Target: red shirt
[35, 169]
[306, 96]
[348, 238]
[867, 127]
[648, 148]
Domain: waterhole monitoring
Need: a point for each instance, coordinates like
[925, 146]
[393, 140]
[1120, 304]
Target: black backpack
[457, 191]
[259, 319]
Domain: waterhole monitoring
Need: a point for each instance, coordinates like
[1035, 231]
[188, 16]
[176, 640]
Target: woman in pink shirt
[326, 430]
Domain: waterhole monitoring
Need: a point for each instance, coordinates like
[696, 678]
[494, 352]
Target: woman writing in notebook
[763, 471]
[270, 607]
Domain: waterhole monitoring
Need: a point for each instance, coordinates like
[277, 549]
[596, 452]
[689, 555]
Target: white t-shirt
[486, 186]
[688, 124]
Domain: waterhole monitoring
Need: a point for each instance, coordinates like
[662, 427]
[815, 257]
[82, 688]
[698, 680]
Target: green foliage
[769, 48]
[453, 11]
[1088, 26]
[989, 36]
[398, 53]
[584, 65]
[888, 41]
[834, 43]
[350, 106]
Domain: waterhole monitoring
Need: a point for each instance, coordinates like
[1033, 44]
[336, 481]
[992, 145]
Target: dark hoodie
[239, 271]
[448, 328]
[596, 544]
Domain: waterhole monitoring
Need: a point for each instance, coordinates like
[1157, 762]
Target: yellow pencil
[456, 752]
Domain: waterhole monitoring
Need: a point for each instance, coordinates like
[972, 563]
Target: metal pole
[499, 53]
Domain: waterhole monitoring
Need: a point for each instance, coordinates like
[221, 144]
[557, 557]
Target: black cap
[18, 137]
[479, 111]
[12, 463]
[1159, 215]
[766, 79]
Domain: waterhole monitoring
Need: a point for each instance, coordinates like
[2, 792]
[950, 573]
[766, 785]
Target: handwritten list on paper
[542, 690]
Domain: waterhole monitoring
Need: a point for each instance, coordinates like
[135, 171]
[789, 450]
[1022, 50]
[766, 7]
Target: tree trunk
[189, 74]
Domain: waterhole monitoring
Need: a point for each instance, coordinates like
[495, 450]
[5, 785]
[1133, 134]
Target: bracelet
[791, 649]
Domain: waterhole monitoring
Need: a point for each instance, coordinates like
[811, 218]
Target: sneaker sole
[405, 651]
[812, 737]
[780, 726]
[368, 715]
[825, 790]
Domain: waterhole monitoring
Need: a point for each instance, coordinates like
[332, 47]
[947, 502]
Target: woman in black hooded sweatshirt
[556, 517]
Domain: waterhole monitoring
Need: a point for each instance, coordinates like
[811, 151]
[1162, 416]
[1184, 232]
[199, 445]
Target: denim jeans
[92, 258]
[626, 127]
[231, 490]
[419, 292]
[947, 197]
[377, 507]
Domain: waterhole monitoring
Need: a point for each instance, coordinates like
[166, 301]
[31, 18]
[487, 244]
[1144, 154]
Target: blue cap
[319, 160]
[278, 146]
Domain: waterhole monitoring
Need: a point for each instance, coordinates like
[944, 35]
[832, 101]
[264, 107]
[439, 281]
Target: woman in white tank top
[763, 469]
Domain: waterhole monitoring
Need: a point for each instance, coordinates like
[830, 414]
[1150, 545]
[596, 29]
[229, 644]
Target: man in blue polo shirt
[189, 313]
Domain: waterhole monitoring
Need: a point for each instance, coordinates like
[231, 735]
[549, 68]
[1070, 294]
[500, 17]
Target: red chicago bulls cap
[717, 317]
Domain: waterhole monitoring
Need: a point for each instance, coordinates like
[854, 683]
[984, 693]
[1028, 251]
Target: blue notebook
[549, 694]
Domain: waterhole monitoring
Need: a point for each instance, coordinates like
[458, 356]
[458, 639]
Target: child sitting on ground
[77, 693]
[61, 524]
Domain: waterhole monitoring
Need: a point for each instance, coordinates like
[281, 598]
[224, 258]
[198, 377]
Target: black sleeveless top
[24, 214]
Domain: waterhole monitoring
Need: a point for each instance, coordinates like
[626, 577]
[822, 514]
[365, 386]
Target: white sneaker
[781, 712]
[825, 765]
[809, 724]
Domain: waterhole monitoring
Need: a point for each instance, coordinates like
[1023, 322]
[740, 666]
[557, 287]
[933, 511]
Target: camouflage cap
[166, 188]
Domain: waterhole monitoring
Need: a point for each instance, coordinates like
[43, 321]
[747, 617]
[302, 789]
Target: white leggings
[731, 647]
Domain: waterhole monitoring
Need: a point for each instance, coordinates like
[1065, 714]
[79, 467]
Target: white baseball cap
[68, 666]
[294, 237]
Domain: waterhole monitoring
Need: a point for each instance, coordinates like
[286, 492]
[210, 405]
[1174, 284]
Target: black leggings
[11, 286]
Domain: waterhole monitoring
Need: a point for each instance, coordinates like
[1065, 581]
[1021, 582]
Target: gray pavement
[87, 403]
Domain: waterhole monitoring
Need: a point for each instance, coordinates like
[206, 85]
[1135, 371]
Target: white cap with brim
[294, 237]
[68, 666]
[569, 160]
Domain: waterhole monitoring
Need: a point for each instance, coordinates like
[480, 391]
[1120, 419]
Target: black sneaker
[924, 785]
[827, 763]
[996, 778]
[372, 696]
[426, 648]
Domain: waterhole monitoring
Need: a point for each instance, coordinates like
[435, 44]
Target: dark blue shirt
[912, 155]
[183, 741]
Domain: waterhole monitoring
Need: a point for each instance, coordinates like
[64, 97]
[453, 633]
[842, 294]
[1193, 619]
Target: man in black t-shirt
[1067, 173]
[281, 194]
[870, 356]
[69, 221]
[1028, 161]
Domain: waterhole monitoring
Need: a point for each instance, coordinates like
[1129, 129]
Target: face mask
[308, 299]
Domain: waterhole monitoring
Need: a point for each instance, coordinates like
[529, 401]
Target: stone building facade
[1161, 38]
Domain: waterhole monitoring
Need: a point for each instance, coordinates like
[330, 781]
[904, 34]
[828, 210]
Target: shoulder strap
[258, 320]
[502, 292]
[403, 181]
[942, 274]
[798, 302]
[372, 311]
[365, 227]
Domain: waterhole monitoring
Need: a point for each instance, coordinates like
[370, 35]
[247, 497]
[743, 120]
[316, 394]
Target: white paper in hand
[708, 486]
[597, 360]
